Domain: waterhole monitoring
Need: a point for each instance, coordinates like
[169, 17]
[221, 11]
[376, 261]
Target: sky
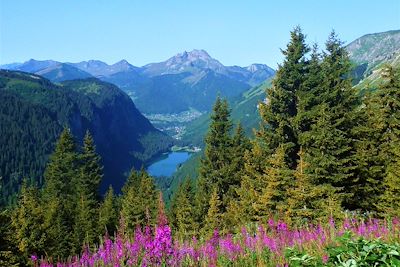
[234, 32]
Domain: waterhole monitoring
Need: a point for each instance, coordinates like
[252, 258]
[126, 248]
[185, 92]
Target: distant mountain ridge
[370, 51]
[188, 80]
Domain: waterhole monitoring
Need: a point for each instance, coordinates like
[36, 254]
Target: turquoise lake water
[167, 164]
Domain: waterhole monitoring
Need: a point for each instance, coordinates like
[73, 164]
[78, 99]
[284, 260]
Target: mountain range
[188, 80]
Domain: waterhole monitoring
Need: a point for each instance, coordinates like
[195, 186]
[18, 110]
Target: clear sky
[234, 32]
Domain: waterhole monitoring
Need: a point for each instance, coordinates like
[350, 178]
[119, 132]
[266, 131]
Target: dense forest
[322, 152]
[34, 112]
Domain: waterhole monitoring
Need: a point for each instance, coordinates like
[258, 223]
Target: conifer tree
[280, 109]
[389, 204]
[58, 197]
[108, 214]
[182, 211]
[215, 168]
[378, 134]
[87, 186]
[329, 142]
[27, 222]
[304, 195]
[139, 199]
[240, 144]
[212, 219]
[91, 170]
[275, 179]
[241, 210]
[9, 254]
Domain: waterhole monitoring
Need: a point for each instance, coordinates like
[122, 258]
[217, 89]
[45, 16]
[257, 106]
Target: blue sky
[234, 32]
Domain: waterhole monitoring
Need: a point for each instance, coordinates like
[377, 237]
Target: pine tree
[58, 197]
[329, 142]
[273, 195]
[308, 96]
[27, 222]
[215, 168]
[182, 211]
[86, 190]
[139, 199]
[280, 109]
[108, 214]
[9, 254]
[377, 133]
[91, 170]
[389, 204]
[241, 211]
[212, 219]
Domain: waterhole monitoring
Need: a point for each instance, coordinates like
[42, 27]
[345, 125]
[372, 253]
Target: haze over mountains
[184, 81]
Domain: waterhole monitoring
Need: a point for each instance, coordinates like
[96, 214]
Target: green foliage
[276, 181]
[278, 113]
[182, 216]
[212, 221]
[214, 168]
[139, 201]
[108, 213]
[8, 254]
[349, 252]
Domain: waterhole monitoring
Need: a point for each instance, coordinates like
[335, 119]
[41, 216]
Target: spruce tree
[280, 108]
[212, 220]
[329, 141]
[241, 211]
[182, 211]
[378, 143]
[58, 197]
[86, 191]
[275, 181]
[91, 169]
[389, 202]
[215, 170]
[108, 214]
[9, 254]
[139, 200]
[27, 222]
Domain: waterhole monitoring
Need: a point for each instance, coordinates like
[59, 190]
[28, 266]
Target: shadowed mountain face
[37, 110]
[188, 80]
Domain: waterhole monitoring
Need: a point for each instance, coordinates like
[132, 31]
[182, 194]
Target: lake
[167, 164]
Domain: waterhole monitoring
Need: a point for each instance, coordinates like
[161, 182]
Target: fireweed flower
[155, 246]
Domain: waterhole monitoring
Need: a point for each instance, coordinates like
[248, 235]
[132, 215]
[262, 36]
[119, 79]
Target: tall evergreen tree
[241, 210]
[215, 170]
[182, 211]
[329, 142]
[389, 201]
[91, 170]
[58, 197]
[275, 181]
[27, 222]
[86, 190]
[212, 220]
[377, 137]
[139, 200]
[280, 108]
[108, 214]
[9, 254]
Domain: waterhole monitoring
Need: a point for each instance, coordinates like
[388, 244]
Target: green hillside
[36, 110]
[243, 110]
